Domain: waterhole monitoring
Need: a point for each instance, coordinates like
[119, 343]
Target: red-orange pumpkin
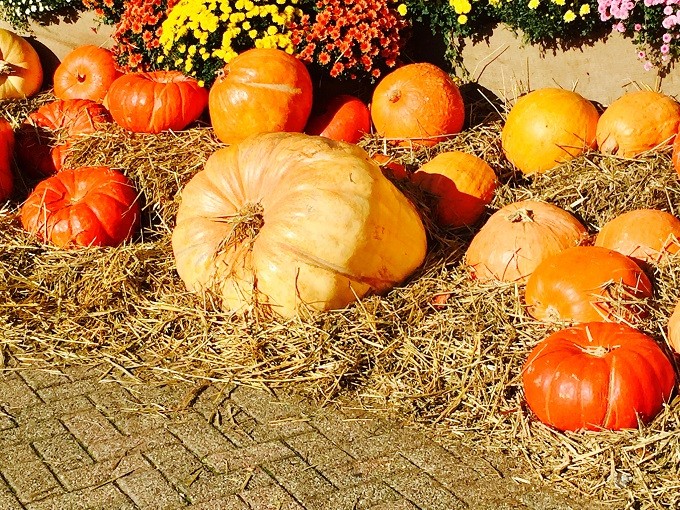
[86, 206]
[44, 136]
[87, 72]
[262, 90]
[417, 104]
[156, 101]
[587, 284]
[390, 167]
[462, 183]
[637, 122]
[344, 117]
[648, 236]
[6, 150]
[597, 375]
[518, 237]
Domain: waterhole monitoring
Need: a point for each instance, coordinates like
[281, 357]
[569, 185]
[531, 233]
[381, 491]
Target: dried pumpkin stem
[246, 225]
[522, 215]
[6, 68]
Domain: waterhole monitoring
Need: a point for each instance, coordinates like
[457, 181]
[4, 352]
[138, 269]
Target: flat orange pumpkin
[87, 72]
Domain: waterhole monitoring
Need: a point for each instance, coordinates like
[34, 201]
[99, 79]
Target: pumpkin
[674, 328]
[87, 72]
[547, 127]
[585, 284]
[597, 375]
[518, 237]
[262, 90]
[675, 154]
[390, 167]
[283, 221]
[417, 104]
[46, 133]
[648, 236]
[344, 117]
[637, 122]
[6, 150]
[85, 206]
[462, 183]
[21, 73]
[155, 101]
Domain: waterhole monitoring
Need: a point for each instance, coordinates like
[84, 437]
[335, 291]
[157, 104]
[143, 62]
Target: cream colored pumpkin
[284, 220]
[21, 73]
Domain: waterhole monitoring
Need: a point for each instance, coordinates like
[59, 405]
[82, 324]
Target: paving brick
[178, 465]
[7, 421]
[68, 390]
[16, 394]
[397, 440]
[249, 457]
[29, 431]
[271, 497]
[425, 492]
[142, 442]
[235, 424]
[125, 411]
[17, 454]
[62, 452]
[199, 436]
[281, 429]
[342, 430]
[101, 472]
[209, 486]
[362, 470]
[87, 371]
[106, 497]
[357, 497]
[400, 504]
[43, 378]
[265, 407]
[57, 409]
[317, 450]
[31, 481]
[171, 396]
[7, 500]
[228, 503]
[94, 432]
[149, 490]
[211, 397]
[299, 479]
[442, 465]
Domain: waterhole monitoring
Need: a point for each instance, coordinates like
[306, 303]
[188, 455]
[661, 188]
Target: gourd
[21, 73]
[87, 72]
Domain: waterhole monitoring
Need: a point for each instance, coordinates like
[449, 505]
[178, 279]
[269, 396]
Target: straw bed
[442, 349]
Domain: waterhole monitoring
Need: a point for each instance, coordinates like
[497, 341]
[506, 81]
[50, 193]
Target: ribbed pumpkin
[518, 237]
[286, 220]
[674, 328]
[586, 284]
[675, 154]
[547, 127]
[6, 152]
[417, 104]
[87, 72]
[648, 236]
[462, 183]
[637, 122]
[262, 90]
[21, 73]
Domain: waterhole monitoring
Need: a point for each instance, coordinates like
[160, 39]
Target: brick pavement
[71, 439]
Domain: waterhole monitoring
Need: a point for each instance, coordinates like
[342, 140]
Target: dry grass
[441, 349]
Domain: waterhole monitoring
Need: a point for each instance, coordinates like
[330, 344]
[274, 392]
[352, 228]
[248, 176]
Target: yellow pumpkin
[547, 127]
[21, 73]
[281, 221]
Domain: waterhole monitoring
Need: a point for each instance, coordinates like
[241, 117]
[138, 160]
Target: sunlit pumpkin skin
[86, 206]
[21, 73]
[547, 127]
[586, 284]
[6, 151]
[417, 104]
[463, 184]
[320, 226]
[637, 122]
[597, 375]
[87, 72]
[262, 90]
[44, 136]
[518, 237]
[674, 329]
[648, 236]
[675, 154]
[344, 118]
[156, 101]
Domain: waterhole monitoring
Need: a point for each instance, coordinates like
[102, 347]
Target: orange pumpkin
[675, 154]
[286, 220]
[87, 72]
[462, 183]
[21, 73]
[390, 167]
[6, 150]
[674, 328]
[648, 236]
[547, 127]
[587, 284]
[417, 104]
[343, 117]
[262, 90]
[518, 237]
[637, 122]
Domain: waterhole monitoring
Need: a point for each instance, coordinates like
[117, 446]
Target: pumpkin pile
[492, 277]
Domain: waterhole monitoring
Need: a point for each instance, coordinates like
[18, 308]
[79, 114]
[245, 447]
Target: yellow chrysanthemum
[402, 10]
[584, 10]
[533, 4]
[462, 19]
[569, 16]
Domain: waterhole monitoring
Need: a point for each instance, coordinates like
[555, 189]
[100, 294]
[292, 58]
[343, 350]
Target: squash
[21, 73]
[343, 117]
[674, 329]
[6, 152]
[285, 221]
[87, 72]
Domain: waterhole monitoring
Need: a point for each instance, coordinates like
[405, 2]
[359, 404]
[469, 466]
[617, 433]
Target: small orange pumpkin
[547, 127]
[87, 72]
[637, 122]
[463, 184]
[518, 237]
[648, 236]
[417, 103]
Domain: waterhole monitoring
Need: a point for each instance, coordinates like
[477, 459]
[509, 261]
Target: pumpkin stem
[598, 351]
[395, 96]
[6, 68]
[522, 215]
[246, 225]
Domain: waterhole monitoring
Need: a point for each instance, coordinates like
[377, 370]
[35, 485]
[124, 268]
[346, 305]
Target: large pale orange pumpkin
[87, 72]
[262, 90]
[417, 103]
[21, 73]
[675, 154]
[6, 150]
[547, 127]
[587, 284]
[518, 237]
[287, 220]
[648, 236]
[463, 184]
[637, 122]
[674, 328]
